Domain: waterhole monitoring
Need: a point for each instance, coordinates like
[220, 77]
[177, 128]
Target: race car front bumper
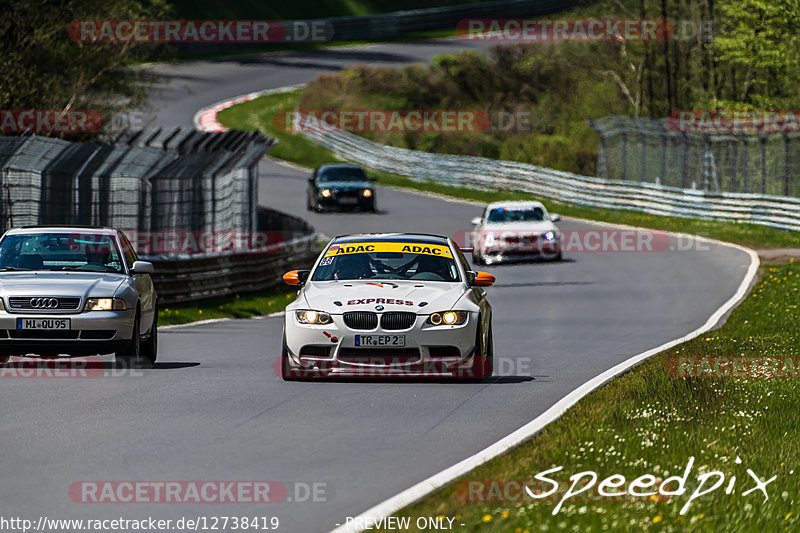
[337, 350]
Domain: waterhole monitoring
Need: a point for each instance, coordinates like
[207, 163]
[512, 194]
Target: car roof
[392, 237]
[96, 230]
[516, 203]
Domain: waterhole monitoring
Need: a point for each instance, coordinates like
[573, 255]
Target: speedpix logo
[617, 487]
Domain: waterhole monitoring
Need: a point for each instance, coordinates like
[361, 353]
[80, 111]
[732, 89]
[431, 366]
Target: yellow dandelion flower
[504, 514]
[788, 515]
[487, 518]
[657, 519]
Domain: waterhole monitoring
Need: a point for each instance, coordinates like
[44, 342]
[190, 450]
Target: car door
[142, 284]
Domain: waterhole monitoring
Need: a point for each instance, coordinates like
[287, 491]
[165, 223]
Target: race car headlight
[449, 318]
[308, 316]
[550, 235]
[366, 193]
[326, 193]
[105, 304]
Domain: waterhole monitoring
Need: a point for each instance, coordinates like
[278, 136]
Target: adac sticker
[438, 250]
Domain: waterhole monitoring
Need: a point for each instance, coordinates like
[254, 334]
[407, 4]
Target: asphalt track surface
[213, 408]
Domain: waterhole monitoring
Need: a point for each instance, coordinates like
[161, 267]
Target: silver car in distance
[76, 291]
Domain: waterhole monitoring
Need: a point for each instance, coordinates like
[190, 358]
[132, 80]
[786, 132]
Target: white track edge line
[529, 430]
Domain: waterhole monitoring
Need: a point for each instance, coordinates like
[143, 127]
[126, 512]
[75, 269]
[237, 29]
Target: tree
[42, 68]
[760, 38]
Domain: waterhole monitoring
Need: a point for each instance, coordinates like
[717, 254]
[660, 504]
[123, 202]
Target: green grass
[650, 422]
[239, 306]
[258, 115]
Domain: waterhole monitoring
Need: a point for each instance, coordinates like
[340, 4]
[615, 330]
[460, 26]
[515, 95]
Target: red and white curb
[206, 118]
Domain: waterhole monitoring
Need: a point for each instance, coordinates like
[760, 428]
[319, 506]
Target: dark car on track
[340, 186]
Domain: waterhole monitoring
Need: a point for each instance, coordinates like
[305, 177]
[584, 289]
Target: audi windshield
[60, 251]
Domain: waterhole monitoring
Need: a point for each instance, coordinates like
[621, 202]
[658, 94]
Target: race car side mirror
[481, 279]
[554, 217]
[476, 221]
[296, 277]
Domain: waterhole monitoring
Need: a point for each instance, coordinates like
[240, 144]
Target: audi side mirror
[142, 267]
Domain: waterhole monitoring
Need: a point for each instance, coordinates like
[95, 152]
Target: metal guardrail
[182, 279]
[776, 211]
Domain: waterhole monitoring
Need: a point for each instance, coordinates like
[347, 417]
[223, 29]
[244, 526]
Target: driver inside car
[352, 267]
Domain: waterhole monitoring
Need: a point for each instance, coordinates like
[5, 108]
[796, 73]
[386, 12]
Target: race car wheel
[483, 366]
[286, 370]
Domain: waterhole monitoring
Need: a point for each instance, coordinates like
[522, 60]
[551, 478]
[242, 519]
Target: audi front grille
[43, 303]
[397, 320]
[361, 320]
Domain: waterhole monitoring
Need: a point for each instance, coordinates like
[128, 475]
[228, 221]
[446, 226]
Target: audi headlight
[105, 304]
[366, 193]
[325, 193]
[448, 318]
[309, 316]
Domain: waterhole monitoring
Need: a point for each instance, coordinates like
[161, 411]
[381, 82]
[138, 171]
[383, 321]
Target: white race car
[388, 305]
[515, 230]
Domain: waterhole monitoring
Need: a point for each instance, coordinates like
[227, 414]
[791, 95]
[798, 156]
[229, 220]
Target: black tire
[489, 354]
[150, 346]
[131, 356]
[477, 260]
[286, 371]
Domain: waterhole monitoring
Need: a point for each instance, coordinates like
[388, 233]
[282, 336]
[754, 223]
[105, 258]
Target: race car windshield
[60, 251]
[342, 174]
[434, 263]
[501, 214]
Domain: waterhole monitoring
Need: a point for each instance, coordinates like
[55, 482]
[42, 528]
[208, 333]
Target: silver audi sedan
[76, 291]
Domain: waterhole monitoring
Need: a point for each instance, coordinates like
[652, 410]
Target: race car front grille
[46, 303]
[361, 320]
[397, 320]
